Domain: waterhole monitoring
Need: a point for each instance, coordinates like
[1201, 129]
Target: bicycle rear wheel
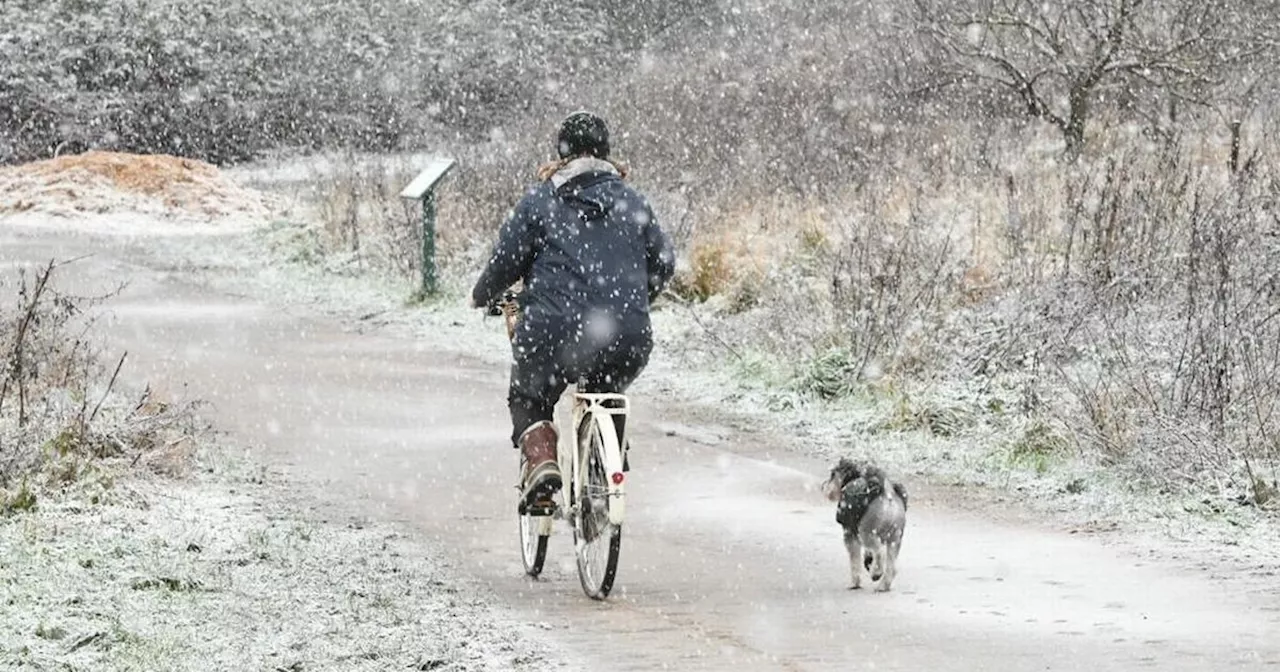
[534, 530]
[596, 541]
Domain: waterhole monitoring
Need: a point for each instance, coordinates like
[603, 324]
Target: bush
[59, 421]
[709, 273]
[830, 375]
[225, 80]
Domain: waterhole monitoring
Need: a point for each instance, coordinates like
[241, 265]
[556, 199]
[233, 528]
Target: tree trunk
[1235, 146]
[1222, 365]
[1074, 136]
[1073, 131]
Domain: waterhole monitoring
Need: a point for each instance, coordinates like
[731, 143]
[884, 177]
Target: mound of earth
[109, 182]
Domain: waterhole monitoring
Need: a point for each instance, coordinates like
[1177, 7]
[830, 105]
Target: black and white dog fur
[873, 512]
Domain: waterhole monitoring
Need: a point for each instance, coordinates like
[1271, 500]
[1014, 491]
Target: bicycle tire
[533, 543]
[594, 537]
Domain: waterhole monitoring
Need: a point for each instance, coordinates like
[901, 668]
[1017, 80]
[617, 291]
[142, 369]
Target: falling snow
[1021, 254]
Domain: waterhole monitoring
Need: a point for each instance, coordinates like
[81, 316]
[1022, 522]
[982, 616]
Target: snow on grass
[217, 573]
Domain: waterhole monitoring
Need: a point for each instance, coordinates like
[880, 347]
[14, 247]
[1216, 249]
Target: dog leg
[886, 578]
[890, 569]
[875, 550]
[854, 546]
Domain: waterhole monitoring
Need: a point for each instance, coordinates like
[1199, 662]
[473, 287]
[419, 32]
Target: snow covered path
[730, 558]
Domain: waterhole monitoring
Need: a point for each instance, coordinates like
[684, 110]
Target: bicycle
[592, 460]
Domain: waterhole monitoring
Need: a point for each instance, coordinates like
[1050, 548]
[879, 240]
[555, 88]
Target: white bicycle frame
[586, 404]
[572, 454]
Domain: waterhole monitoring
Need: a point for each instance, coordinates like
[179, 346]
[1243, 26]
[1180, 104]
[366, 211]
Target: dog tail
[901, 490]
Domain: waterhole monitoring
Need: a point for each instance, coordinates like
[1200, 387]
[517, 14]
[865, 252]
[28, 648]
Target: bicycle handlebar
[496, 307]
[506, 306]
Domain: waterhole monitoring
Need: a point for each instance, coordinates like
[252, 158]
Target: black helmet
[583, 133]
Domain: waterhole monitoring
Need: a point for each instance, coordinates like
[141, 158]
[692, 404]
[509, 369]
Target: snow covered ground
[119, 585]
[224, 571]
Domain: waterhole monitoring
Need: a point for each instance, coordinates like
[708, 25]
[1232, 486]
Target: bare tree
[1240, 84]
[1060, 58]
[1233, 106]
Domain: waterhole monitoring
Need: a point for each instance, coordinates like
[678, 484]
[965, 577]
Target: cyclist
[592, 257]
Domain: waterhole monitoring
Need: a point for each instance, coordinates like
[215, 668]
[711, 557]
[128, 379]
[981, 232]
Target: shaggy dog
[873, 512]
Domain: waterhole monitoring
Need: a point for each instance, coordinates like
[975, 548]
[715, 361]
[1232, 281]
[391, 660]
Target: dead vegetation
[109, 182]
[1059, 62]
[364, 219]
[1129, 303]
[64, 420]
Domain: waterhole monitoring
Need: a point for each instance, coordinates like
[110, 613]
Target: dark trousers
[540, 375]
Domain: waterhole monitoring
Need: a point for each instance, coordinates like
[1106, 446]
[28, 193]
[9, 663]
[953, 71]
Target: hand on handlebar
[492, 309]
[496, 307]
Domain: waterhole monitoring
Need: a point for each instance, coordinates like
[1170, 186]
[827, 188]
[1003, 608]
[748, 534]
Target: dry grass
[361, 225]
[62, 418]
[362, 216]
[101, 182]
[1130, 299]
[147, 174]
[708, 273]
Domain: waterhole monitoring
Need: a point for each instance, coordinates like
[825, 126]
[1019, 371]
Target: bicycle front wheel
[596, 540]
[534, 530]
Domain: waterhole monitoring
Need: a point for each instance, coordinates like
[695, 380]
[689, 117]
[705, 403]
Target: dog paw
[855, 586]
[882, 588]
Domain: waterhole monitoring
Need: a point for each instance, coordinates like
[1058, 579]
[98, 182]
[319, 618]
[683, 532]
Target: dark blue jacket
[590, 248]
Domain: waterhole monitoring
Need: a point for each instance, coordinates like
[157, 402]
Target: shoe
[541, 479]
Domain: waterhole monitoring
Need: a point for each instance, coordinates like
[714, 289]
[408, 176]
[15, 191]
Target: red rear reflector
[617, 477]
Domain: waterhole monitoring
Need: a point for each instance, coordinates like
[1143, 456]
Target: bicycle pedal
[543, 508]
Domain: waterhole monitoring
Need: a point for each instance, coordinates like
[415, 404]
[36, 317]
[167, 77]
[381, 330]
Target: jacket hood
[585, 179]
[579, 167]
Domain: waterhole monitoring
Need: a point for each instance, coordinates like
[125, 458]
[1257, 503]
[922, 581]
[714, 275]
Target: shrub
[59, 422]
[709, 273]
[223, 81]
[831, 374]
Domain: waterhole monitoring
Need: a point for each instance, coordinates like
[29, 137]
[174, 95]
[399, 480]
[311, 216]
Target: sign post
[423, 189]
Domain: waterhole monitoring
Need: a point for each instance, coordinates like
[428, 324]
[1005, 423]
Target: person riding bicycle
[592, 258]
